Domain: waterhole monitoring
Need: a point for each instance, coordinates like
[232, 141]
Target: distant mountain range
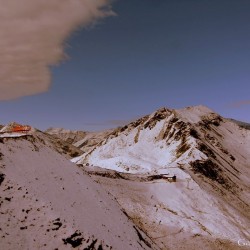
[241, 124]
[83, 140]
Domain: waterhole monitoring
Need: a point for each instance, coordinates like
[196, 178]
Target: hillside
[46, 202]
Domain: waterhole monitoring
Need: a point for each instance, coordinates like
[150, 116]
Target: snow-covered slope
[180, 215]
[46, 202]
[209, 155]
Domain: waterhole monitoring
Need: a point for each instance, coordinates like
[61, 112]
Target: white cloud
[32, 35]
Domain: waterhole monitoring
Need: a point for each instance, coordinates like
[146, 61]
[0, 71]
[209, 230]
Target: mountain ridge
[125, 179]
[47, 202]
[213, 151]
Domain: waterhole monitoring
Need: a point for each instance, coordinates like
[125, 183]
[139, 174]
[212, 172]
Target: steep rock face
[227, 164]
[46, 202]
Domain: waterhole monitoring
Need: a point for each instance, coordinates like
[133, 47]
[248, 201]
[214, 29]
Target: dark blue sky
[154, 53]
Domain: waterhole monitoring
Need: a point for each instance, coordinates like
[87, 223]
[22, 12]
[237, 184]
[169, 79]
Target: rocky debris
[2, 176]
[206, 150]
[136, 123]
[141, 238]
[156, 117]
[209, 169]
[74, 240]
[55, 225]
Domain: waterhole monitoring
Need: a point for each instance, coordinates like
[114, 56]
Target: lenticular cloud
[32, 35]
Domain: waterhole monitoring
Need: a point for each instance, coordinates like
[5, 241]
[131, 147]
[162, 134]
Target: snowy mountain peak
[187, 115]
[195, 114]
[167, 134]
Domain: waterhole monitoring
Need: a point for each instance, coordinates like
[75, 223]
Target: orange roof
[20, 128]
